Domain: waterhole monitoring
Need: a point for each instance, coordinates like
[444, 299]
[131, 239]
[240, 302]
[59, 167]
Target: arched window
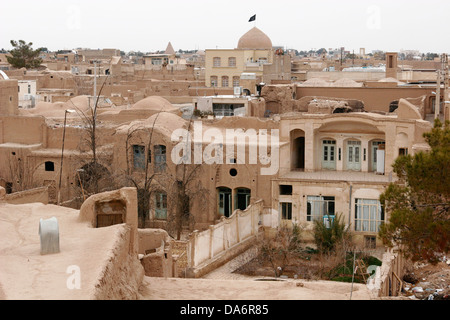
[214, 81]
[225, 81]
[138, 157]
[160, 158]
[235, 81]
[224, 201]
[242, 198]
[232, 61]
[216, 62]
[161, 205]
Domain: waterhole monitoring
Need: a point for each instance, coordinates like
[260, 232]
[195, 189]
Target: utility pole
[445, 72]
[95, 82]
[437, 103]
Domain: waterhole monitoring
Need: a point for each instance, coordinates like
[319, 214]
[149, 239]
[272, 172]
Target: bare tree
[180, 182]
[144, 185]
[186, 190]
[92, 171]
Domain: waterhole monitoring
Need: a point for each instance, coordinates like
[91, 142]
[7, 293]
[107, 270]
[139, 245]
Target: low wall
[122, 275]
[28, 196]
[388, 278]
[156, 253]
[221, 242]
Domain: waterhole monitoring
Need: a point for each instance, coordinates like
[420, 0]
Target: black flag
[253, 18]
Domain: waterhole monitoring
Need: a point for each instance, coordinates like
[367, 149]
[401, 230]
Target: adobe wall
[122, 275]
[374, 99]
[354, 75]
[156, 253]
[280, 98]
[9, 98]
[211, 176]
[28, 196]
[144, 72]
[24, 130]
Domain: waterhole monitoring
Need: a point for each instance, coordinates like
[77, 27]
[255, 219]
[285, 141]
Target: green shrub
[326, 238]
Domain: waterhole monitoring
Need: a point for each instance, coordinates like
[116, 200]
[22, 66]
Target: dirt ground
[433, 280]
[213, 289]
[242, 279]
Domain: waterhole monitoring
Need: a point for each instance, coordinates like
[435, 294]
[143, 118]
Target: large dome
[255, 39]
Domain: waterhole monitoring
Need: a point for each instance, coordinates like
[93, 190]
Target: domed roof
[255, 39]
[154, 103]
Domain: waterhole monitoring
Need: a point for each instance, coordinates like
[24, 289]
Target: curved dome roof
[255, 39]
[154, 103]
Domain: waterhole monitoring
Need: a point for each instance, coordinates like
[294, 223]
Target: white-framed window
[369, 215]
[214, 81]
[286, 210]
[354, 155]
[157, 61]
[161, 205]
[232, 61]
[236, 81]
[376, 145]
[224, 81]
[160, 158]
[329, 154]
[216, 62]
[319, 206]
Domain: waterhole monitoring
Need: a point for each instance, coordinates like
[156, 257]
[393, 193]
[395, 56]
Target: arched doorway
[329, 154]
[224, 201]
[353, 151]
[297, 150]
[376, 158]
[242, 198]
[92, 178]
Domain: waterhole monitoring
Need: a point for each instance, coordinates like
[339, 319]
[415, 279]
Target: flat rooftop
[25, 274]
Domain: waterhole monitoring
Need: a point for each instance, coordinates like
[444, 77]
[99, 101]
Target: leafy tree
[321, 51]
[419, 202]
[24, 56]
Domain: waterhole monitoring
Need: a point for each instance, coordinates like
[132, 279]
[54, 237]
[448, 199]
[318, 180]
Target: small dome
[154, 103]
[255, 39]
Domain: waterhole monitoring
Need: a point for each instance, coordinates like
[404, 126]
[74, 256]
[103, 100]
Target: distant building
[167, 59]
[27, 94]
[254, 55]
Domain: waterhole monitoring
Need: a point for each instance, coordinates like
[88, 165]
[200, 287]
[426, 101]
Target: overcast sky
[147, 25]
